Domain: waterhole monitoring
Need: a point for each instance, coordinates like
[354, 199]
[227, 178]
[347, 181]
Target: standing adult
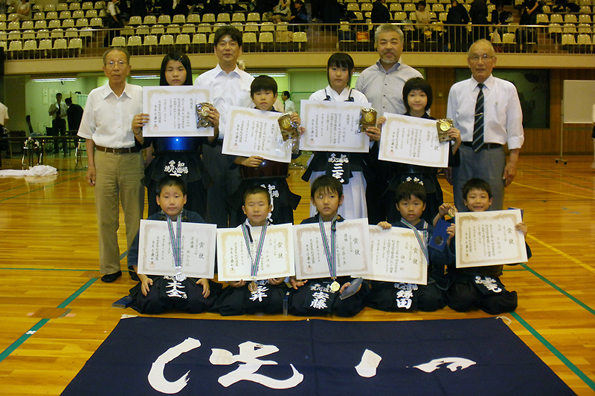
[231, 87]
[115, 158]
[58, 112]
[288, 105]
[382, 83]
[380, 13]
[3, 120]
[457, 35]
[74, 114]
[479, 16]
[487, 111]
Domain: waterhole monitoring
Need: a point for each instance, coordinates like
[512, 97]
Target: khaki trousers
[118, 179]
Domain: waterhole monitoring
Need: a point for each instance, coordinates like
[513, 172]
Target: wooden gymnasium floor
[55, 312]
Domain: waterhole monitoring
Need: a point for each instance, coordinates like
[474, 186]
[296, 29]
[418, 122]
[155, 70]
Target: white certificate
[412, 140]
[489, 238]
[397, 256]
[255, 132]
[351, 247]
[172, 110]
[233, 260]
[155, 256]
[333, 126]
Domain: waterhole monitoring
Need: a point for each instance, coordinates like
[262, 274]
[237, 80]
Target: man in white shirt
[115, 158]
[288, 105]
[3, 120]
[382, 83]
[231, 87]
[58, 112]
[499, 121]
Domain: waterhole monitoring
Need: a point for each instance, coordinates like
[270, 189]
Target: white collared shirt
[503, 116]
[384, 89]
[231, 89]
[108, 118]
[357, 96]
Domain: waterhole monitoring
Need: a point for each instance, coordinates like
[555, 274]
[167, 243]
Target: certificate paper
[333, 126]
[255, 132]
[172, 110]
[352, 247]
[489, 238]
[412, 140]
[155, 255]
[397, 256]
[233, 260]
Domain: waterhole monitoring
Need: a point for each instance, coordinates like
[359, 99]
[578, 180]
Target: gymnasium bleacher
[76, 29]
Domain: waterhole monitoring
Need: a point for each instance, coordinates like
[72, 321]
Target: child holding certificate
[340, 68]
[389, 296]
[321, 296]
[257, 171]
[245, 297]
[175, 155]
[417, 96]
[156, 294]
[480, 287]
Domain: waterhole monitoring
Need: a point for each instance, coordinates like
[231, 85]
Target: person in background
[3, 134]
[288, 105]
[58, 111]
[74, 114]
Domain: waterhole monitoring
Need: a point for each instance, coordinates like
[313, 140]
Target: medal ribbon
[176, 240]
[247, 238]
[331, 254]
[421, 239]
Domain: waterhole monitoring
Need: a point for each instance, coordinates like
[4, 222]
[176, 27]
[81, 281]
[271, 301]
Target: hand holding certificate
[251, 132]
[172, 110]
[155, 253]
[234, 261]
[412, 140]
[333, 126]
[489, 238]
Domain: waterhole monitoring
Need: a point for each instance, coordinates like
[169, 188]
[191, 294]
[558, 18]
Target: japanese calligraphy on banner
[333, 126]
[412, 140]
[397, 256]
[352, 249]
[233, 260]
[489, 238]
[255, 132]
[172, 110]
[155, 256]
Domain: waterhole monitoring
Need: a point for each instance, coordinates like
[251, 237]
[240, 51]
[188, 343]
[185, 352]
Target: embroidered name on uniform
[174, 170]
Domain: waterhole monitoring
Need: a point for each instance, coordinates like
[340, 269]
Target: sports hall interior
[55, 312]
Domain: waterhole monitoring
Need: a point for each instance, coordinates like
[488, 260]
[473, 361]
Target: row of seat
[52, 24]
[69, 14]
[222, 17]
[44, 45]
[45, 33]
[406, 1]
[568, 18]
[570, 28]
[190, 28]
[86, 5]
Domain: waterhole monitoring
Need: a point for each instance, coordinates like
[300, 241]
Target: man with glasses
[115, 158]
[231, 87]
[487, 111]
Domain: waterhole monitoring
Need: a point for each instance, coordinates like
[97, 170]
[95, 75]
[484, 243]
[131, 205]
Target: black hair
[263, 83]
[256, 190]
[68, 101]
[286, 93]
[421, 3]
[476, 184]
[409, 189]
[326, 183]
[414, 84]
[180, 57]
[227, 30]
[340, 59]
[167, 181]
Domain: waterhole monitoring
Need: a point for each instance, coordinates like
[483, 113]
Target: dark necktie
[478, 124]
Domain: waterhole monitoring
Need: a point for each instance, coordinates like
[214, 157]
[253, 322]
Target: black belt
[488, 146]
[125, 150]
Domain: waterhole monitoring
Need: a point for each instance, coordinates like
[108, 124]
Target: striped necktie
[478, 125]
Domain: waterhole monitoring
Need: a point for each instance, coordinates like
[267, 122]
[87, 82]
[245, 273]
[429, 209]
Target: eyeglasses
[484, 57]
[111, 64]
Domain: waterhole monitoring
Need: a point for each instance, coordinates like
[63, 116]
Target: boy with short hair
[389, 296]
[257, 171]
[480, 287]
[326, 195]
[265, 295]
[156, 294]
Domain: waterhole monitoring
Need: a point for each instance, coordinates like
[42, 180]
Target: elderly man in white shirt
[486, 125]
[115, 158]
[231, 87]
